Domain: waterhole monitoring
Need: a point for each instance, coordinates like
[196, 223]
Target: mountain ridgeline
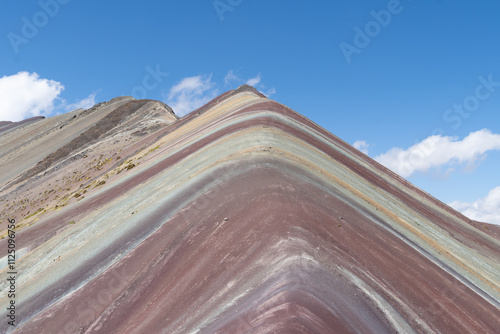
[240, 217]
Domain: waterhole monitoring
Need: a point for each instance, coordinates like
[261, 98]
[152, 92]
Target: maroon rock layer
[245, 217]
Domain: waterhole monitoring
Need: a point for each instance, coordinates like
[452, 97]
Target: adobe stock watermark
[11, 272]
[455, 115]
[223, 6]
[150, 82]
[102, 298]
[30, 27]
[363, 37]
[471, 103]
[246, 321]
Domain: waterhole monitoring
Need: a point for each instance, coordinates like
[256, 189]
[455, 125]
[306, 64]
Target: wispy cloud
[232, 79]
[85, 103]
[191, 93]
[254, 81]
[361, 145]
[441, 152]
[269, 92]
[25, 95]
[486, 209]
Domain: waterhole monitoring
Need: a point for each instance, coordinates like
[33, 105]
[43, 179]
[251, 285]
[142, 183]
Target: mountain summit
[240, 217]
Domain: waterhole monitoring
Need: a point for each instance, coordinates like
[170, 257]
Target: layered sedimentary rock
[7, 125]
[241, 217]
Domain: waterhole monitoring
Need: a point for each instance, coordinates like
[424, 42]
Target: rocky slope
[241, 217]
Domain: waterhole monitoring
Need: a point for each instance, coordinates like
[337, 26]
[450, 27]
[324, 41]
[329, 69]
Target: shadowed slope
[100, 128]
[245, 217]
[85, 145]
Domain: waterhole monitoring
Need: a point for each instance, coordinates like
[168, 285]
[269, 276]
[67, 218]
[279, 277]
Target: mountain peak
[242, 216]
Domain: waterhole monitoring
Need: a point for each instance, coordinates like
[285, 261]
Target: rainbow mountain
[240, 217]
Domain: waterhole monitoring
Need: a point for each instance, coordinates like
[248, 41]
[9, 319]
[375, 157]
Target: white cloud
[486, 209]
[191, 93]
[254, 81]
[269, 92]
[85, 103]
[441, 152]
[231, 77]
[25, 95]
[361, 145]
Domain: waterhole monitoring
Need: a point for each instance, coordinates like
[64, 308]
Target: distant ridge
[7, 125]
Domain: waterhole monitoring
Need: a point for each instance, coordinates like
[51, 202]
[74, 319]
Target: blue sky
[385, 74]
